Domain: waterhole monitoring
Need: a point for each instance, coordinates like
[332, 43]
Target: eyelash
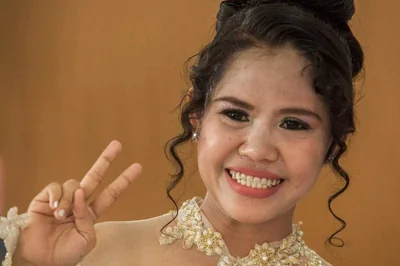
[303, 125]
[233, 114]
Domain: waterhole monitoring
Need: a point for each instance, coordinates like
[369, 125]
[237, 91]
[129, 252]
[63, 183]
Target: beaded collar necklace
[194, 229]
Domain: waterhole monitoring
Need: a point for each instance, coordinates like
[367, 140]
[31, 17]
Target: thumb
[83, 221]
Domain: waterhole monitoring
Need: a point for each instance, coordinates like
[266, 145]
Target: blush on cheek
[304, 165]
[300, 185]
[313, 150]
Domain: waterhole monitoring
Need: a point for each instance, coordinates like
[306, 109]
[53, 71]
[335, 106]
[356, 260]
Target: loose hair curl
[319, 30]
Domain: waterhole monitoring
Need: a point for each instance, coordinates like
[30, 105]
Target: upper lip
[255, 172]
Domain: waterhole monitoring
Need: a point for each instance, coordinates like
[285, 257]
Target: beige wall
[76, 74]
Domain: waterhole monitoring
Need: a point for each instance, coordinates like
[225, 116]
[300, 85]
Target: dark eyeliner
[231, 112]
[295, 120]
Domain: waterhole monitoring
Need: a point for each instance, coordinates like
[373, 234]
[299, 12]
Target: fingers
[54, 193]
[65, 206]
[95, 175]
[115, 189]
[59, 200]
[47, 200]
[83, 220]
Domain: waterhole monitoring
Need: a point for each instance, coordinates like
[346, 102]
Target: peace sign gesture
[60, 229]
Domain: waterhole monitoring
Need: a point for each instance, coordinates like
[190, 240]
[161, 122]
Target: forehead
[280, 74]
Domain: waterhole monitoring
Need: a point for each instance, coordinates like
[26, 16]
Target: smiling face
[264, 136]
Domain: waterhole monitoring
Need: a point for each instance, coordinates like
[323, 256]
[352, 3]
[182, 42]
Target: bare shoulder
[325, 263]
[126, 243]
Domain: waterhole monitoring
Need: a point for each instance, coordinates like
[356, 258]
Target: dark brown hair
[319, 30]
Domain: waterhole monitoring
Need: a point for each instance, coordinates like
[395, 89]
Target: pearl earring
[196, 135]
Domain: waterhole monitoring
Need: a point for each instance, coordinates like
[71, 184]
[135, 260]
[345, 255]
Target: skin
[61, 222]
[259, 134]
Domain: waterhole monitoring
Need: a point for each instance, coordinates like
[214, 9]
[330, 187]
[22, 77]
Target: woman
[271, 104]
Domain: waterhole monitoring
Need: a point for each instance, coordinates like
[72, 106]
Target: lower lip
[251, 192]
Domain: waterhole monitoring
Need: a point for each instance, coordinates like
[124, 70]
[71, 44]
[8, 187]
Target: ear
[332, 149]
[194, 120]
[190, 92]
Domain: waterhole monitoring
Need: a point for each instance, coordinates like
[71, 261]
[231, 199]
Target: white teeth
[254, 182]
[232, 173]
[249, 181]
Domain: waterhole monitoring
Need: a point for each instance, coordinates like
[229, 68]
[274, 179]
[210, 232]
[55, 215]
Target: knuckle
[95, 175]
[126, 178]
[53, 189]
[71, 183]
[68, 190]
[107, 158]
[66, 201]
[34, 205]
[54, 185]
[113, 193]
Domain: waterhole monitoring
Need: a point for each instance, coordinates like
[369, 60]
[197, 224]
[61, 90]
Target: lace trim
[192, 230]
[10, 229]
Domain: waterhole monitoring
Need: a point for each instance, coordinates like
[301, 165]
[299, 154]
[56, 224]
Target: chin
[250, 210]
[246, 214]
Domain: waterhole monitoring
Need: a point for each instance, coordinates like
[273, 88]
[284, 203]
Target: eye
[236, 115]
[294, 124]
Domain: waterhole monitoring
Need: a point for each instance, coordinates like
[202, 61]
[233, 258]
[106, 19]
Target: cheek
[212, 146]
[215, 136]
[217, 144]
[305, 161]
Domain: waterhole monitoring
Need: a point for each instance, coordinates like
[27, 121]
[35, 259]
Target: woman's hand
[60, 229]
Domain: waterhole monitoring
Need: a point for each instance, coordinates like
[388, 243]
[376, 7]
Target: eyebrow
[235, 101]
[300, 111]
[284, 111]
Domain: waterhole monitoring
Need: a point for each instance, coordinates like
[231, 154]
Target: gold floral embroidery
[191, 230]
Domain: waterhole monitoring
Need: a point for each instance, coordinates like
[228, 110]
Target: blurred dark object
[2, 250]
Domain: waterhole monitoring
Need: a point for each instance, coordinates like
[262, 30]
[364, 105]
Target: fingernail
[55, 204]
[61, 213]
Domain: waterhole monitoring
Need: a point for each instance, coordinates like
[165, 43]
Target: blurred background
[75, 75]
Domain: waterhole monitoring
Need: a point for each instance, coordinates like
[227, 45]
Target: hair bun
[227, 9]
[335, 12]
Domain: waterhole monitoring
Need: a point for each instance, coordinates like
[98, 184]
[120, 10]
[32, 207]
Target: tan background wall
[76, 74]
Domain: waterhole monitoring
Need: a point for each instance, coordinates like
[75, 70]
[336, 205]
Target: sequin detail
[191, 229]
[10, 228]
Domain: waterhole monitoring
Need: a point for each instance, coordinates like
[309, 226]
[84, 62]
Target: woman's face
[264, 136]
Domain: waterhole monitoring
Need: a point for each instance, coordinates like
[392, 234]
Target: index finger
[115, 189]
[95, 175]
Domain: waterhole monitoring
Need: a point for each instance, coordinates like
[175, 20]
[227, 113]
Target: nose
[259, 145]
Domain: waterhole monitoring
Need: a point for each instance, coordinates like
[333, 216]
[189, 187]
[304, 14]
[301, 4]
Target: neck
[239, 237]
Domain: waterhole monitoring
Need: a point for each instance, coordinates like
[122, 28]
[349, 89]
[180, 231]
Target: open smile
[253, 181]
[253, 186]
